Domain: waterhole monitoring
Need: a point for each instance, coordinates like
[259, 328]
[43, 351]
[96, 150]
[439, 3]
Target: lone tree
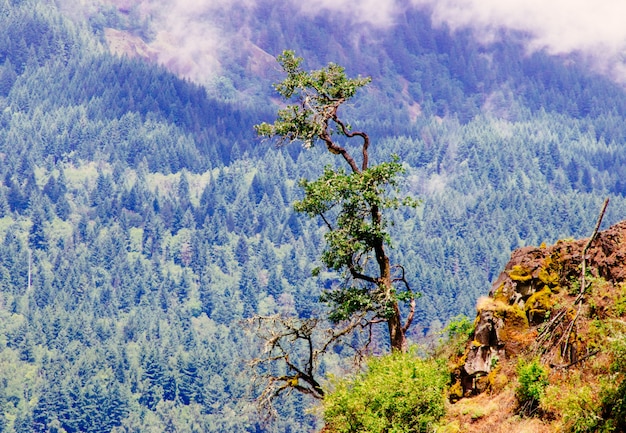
[350, 203]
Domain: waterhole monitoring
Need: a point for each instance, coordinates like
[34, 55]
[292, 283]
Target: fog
[192, 36]
[593, 29]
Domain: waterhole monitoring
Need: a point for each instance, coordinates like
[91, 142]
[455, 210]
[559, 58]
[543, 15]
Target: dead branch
[586, 248]
[292, 352]
[583, 283]
[579, 360]
[550, 335]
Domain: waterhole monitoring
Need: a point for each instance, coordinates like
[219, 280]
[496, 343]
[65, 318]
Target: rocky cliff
[544, 308]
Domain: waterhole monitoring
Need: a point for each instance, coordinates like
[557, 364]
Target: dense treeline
[140, 221]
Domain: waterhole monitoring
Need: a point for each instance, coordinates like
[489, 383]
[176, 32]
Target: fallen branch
[583, 283]
[550, 334]
[589, 355]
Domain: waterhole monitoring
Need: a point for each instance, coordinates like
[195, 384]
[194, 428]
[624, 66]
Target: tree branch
[410, 316]
[360, 276]
[351, 134]
[334, 148]
[330, 227]
[283, 336]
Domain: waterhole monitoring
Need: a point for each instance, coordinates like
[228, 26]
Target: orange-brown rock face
[535, 304]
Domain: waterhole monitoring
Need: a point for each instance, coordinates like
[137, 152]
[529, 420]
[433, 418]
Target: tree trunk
[397, 338]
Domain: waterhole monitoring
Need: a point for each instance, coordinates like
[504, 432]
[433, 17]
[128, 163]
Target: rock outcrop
[534, 305]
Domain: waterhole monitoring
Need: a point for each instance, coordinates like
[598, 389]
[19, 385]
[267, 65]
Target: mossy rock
[455, 392]
[497, 380]
[515, 332]
[498, 294]
[539, 305]
[513, 316]
[481, 384]
[548, 277]
[520, 273]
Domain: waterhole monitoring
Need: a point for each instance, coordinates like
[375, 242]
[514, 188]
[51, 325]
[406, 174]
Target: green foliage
[459, 327]
[455, 335]
[617, 347]
[614, 408]
[533, 380]
[578, 405]
[348, 301]
[613, 396]
[398, 393]
[318, 94]
[355, 233]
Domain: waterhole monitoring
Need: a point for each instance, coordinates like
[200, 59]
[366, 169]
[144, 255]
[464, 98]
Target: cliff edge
[571, 328]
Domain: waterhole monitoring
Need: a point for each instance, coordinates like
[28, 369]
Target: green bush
[533, 380]
[459, 325]
[613, 395]
[578, 405]
[398, 393]
[456, 334]
[614, 407]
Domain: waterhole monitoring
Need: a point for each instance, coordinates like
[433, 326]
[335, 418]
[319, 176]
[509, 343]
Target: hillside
[538, 314]
[141, 221]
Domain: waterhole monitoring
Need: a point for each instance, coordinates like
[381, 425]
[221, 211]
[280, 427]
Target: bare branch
[360, 276]
[334, 148]
[410, 316]
[292, 352]
[402, 277]
[583, 283]
[330, 227]
[586, 248]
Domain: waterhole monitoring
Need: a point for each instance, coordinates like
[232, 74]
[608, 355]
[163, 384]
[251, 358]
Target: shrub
[456, 334]
[577, 404]
[459, 326]
[398, 393]
[533, 380]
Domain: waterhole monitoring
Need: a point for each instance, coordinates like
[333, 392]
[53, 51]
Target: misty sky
[593, 27]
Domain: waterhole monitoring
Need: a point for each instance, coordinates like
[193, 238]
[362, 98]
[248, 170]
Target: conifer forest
[144, 223]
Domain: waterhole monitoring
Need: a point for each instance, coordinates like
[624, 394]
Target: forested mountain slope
[141, 220]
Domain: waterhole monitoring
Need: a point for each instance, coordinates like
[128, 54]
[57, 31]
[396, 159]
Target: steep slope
[538, 315]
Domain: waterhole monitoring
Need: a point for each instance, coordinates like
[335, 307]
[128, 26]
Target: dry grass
[490, 414]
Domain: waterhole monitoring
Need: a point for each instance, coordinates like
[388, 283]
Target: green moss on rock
[539, 305]
[520, 273]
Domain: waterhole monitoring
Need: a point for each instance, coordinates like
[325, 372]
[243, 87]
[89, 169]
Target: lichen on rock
[531, 304]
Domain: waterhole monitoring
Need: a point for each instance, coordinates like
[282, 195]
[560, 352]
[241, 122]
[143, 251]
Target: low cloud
[379, 13]
[593, 28]
[193, 36]
[189, 37]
